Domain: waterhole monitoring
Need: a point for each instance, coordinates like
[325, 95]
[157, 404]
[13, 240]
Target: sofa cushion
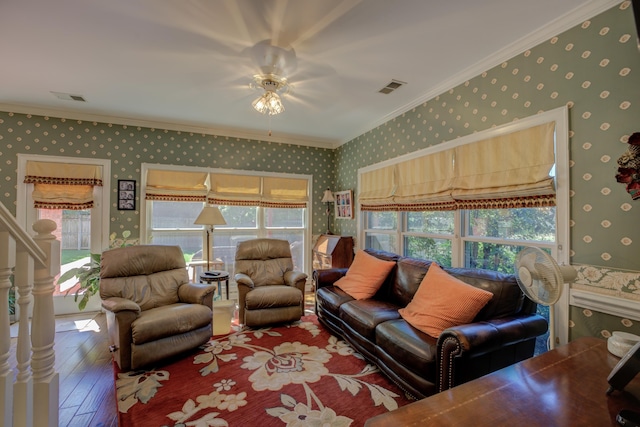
[409, 347]
[365, 275]
[364, 315]
[507, 299]
[409, 275]
[443, 301]
[331, 298]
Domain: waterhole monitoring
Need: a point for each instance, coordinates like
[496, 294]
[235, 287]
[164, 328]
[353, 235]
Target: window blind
[176, 186]
[511, 170]
[255, 190]
[506, 171]
[62, 185]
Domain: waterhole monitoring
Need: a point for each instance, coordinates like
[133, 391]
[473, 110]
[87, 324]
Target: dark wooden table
[219, 277]
[562, 387]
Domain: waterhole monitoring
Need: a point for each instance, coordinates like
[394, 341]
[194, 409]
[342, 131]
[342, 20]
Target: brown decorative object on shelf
[331, 251]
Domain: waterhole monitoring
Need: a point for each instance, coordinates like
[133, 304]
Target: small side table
[216, 276]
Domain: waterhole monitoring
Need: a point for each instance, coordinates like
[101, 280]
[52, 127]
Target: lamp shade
[210, 215]
[327, 197]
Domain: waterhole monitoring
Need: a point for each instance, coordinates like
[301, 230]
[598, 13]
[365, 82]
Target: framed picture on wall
[126, 195]
[344, 204]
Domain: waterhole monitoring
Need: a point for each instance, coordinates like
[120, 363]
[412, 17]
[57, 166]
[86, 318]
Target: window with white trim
[487, 237]
[254, 205]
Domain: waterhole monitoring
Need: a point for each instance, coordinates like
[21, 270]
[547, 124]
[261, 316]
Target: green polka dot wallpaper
[128, 147]
[592, 68]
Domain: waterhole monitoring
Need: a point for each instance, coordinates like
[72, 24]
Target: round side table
[216, 276]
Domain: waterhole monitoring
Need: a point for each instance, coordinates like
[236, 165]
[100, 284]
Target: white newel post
[7, 262]
[23, 388]
[45, 379]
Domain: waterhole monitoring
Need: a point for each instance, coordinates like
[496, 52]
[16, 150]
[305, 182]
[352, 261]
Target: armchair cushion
[167, 321]
[272, 297]
[442, 301]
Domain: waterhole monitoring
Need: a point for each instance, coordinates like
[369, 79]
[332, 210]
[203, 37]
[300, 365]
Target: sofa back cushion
[443, 301]
[409, 275]
[507, 298]
[365, 275]
[149, 275]
[402, 283]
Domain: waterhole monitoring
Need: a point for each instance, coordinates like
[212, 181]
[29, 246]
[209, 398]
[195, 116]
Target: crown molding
[181, 127]
[542, 34]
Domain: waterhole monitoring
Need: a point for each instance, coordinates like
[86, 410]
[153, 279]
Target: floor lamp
[210, 217]
[327, 198]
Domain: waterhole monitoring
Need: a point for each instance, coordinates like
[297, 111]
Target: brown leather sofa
[502, 333]
[153, 312]
[269, 290]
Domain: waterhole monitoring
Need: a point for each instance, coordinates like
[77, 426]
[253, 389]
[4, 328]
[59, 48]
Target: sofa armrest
[328, 277]
[117, 304]
[459, 345]
[196, 293]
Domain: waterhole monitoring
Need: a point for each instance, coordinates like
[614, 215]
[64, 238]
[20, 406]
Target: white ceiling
[184, 65]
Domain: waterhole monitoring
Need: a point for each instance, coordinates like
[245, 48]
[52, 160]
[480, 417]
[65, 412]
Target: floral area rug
[294, 375]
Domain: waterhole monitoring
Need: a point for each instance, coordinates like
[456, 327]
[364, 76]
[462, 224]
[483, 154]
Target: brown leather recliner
[153, 312]
[269, 291]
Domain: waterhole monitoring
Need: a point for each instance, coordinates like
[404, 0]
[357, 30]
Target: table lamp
[210, 217]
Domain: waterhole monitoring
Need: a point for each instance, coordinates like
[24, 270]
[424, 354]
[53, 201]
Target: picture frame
[343, 204]
[126, 195]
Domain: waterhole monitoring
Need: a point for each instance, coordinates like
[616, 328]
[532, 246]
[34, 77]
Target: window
[473, 235]
[253, 205]
[81, 231]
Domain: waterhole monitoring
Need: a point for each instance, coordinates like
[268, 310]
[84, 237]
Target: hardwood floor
[83, 361]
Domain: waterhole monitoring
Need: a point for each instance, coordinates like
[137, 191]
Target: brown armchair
[153, 312]
[269, 291]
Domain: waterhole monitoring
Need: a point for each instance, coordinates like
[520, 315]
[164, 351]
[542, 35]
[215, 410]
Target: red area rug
[295, 375]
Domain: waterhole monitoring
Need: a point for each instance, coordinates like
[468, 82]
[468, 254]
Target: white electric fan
[542, 279]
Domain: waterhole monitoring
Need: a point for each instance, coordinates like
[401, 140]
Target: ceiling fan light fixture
[269, 102]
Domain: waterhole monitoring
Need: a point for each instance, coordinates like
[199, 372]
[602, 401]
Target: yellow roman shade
[507, 171]
[377, 188]
[176, 186]
[62, 185]
[425, 183]
[254, 190]
[281, 192]
[234, 190]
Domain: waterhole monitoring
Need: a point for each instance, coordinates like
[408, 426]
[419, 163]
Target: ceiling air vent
[393, 85]
[69, 97]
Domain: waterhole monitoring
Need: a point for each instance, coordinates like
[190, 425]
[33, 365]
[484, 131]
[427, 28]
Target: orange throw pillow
[365, 275]
[442, 301]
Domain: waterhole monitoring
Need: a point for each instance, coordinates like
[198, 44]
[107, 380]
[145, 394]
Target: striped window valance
[507, 171]
[62, 185]
[176, 186]
[255, 190]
